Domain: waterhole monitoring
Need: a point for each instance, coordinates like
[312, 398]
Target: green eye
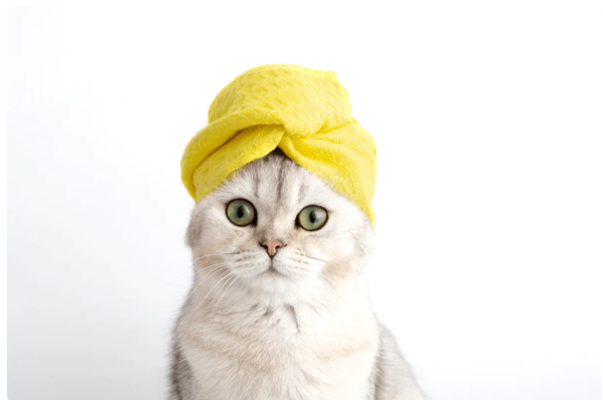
[312, 218]
[240, 212]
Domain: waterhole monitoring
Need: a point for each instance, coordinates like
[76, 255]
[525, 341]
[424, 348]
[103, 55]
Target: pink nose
[271, 246]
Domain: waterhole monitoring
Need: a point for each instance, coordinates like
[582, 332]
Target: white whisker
[214, 286]
[313, 258]
[226, 289]
[215, 254]
[206, 268]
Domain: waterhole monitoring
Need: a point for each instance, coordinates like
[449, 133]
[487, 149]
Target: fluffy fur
[298, 326]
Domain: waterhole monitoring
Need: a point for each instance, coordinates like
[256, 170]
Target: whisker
[205, 268]
[217, 284]
[212, 266]
[215, 254]
[214, 286]
[209, 269]
[226, 289]
[313, 258]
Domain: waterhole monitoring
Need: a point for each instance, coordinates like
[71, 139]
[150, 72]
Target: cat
[279, 308]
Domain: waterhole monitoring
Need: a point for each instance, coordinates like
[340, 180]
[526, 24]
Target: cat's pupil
[312, 216]
[240, 212]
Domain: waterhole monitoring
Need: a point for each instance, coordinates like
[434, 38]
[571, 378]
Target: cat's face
[276, 227]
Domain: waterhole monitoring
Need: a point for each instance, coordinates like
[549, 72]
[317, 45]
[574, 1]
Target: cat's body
[295, 323]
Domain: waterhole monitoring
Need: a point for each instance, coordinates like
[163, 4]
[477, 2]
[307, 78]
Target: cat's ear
[193, 232]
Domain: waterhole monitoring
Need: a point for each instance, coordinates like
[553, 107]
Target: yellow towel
[305, 112]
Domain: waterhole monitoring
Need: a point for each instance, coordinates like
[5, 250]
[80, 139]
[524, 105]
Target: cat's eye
[240, 212]
[312, 218]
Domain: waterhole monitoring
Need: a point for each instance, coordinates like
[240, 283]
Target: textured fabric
[305, 112]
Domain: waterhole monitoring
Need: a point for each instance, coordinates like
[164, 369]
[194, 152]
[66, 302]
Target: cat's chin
[275, 282]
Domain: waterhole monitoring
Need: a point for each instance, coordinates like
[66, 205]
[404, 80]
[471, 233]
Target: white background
[488, 122]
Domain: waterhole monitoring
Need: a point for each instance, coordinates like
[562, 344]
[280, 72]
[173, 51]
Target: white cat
[279, 308]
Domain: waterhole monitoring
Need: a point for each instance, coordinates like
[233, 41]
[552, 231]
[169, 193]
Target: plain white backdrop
[488, 124]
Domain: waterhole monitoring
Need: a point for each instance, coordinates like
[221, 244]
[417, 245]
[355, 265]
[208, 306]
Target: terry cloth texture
[304, 112]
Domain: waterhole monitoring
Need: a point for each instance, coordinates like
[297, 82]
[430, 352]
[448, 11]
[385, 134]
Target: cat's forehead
[277, 181]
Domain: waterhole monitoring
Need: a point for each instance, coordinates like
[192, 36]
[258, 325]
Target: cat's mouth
[271, 271]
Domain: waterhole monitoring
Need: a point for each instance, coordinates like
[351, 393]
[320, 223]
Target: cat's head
[279, 229]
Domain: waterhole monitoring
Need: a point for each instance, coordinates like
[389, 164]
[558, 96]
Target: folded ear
[193, 232]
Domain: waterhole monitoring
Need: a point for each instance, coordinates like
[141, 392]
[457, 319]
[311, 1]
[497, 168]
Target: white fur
[304, 332]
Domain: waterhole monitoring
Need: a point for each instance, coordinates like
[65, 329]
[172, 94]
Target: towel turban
[304, 112]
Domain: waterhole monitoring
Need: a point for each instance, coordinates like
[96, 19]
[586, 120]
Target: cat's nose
[272, 246]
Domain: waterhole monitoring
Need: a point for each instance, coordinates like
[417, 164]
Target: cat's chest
[278, 355]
